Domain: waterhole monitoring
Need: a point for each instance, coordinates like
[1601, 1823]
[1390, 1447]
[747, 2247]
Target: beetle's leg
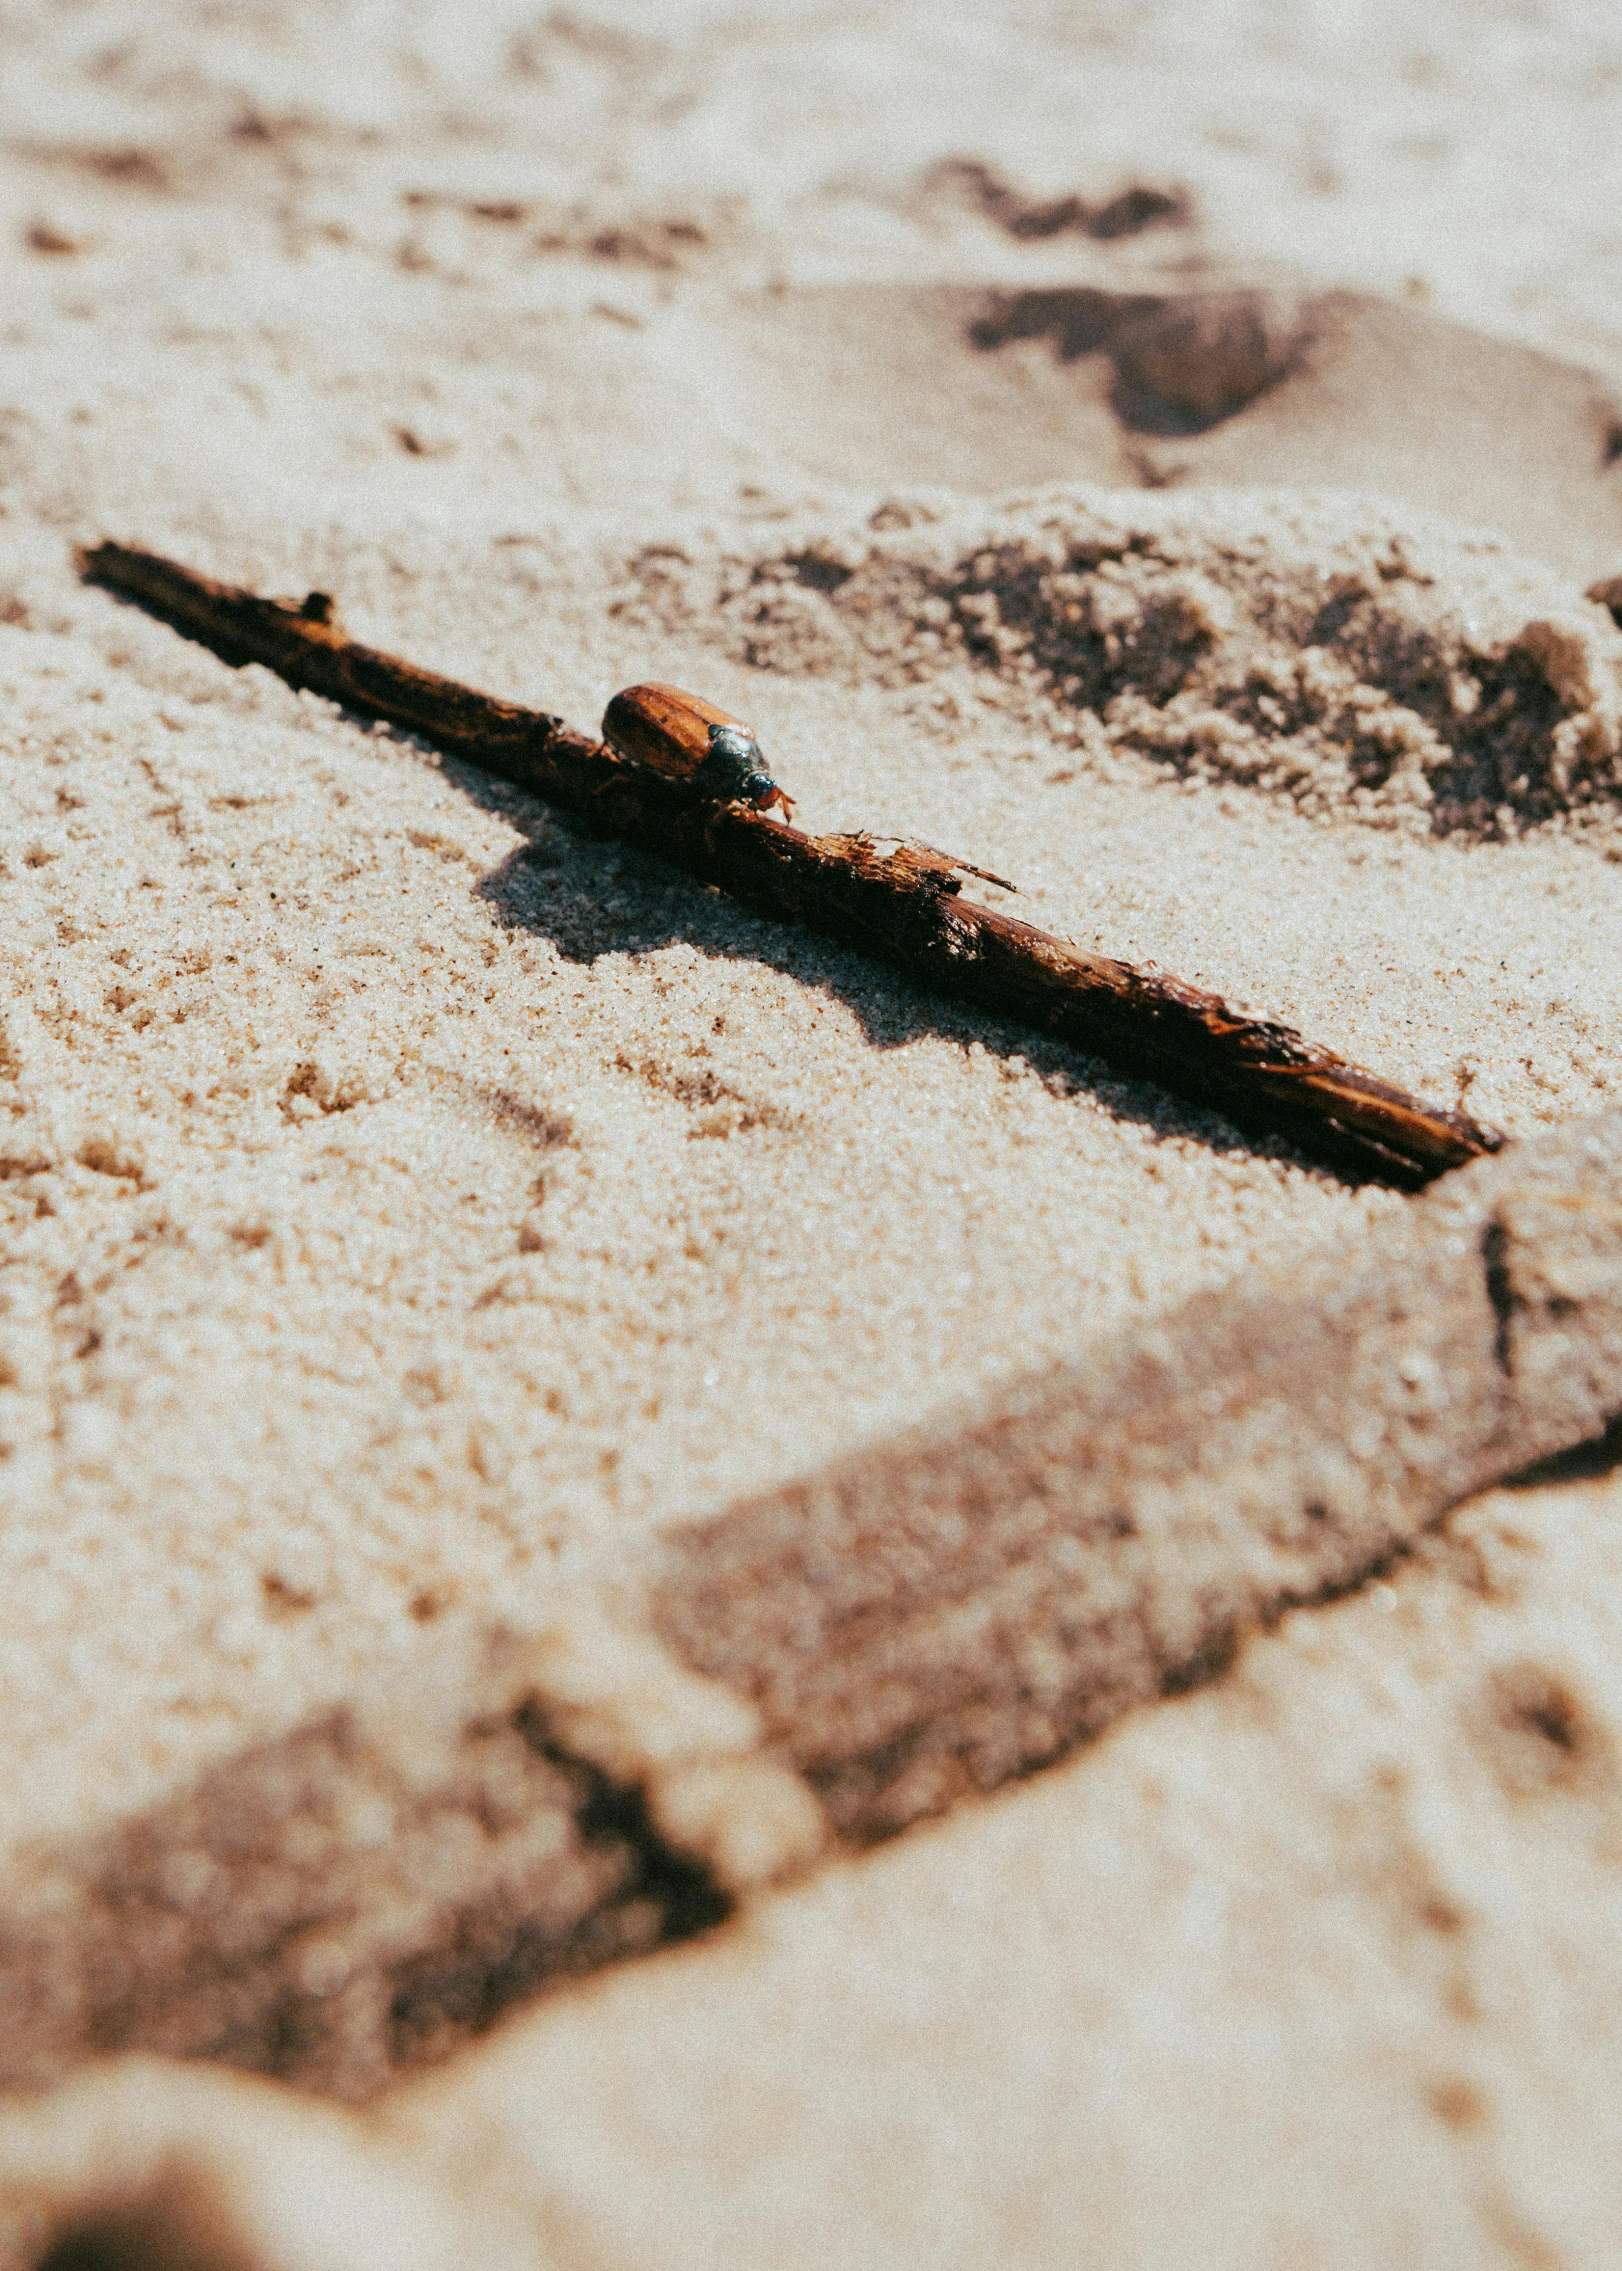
[775, 795]
[617, 775]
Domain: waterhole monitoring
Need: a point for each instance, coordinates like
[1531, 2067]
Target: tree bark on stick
[905, 905]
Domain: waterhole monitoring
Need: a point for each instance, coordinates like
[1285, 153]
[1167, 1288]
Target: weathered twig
[943, 1611]
[904, 905]
[925, 1618]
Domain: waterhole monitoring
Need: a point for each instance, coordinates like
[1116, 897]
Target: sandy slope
[414, 1206]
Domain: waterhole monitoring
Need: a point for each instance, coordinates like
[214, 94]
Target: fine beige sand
[1170, 457]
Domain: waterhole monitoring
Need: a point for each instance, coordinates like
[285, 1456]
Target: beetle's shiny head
[736, 767]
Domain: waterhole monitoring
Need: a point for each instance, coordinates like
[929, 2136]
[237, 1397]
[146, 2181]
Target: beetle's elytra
[688, 739]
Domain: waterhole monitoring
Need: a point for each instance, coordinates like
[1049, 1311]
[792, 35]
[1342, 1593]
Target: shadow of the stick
[1584, 1462]
[593, 897]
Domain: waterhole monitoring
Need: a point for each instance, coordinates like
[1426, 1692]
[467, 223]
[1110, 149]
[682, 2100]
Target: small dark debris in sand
[42, 236]
[1138, 206]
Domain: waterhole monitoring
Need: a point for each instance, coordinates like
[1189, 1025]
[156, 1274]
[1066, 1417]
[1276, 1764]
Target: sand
[1160, 456]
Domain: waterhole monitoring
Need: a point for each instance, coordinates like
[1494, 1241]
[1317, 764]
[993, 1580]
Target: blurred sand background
[414, 1208]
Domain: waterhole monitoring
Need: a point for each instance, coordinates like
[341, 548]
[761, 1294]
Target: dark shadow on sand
[593, 897]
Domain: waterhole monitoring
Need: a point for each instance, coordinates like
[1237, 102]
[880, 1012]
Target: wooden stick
[940, 1612]
[904, 906]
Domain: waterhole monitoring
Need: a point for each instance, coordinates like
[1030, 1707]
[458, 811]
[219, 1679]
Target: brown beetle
[688, 739]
